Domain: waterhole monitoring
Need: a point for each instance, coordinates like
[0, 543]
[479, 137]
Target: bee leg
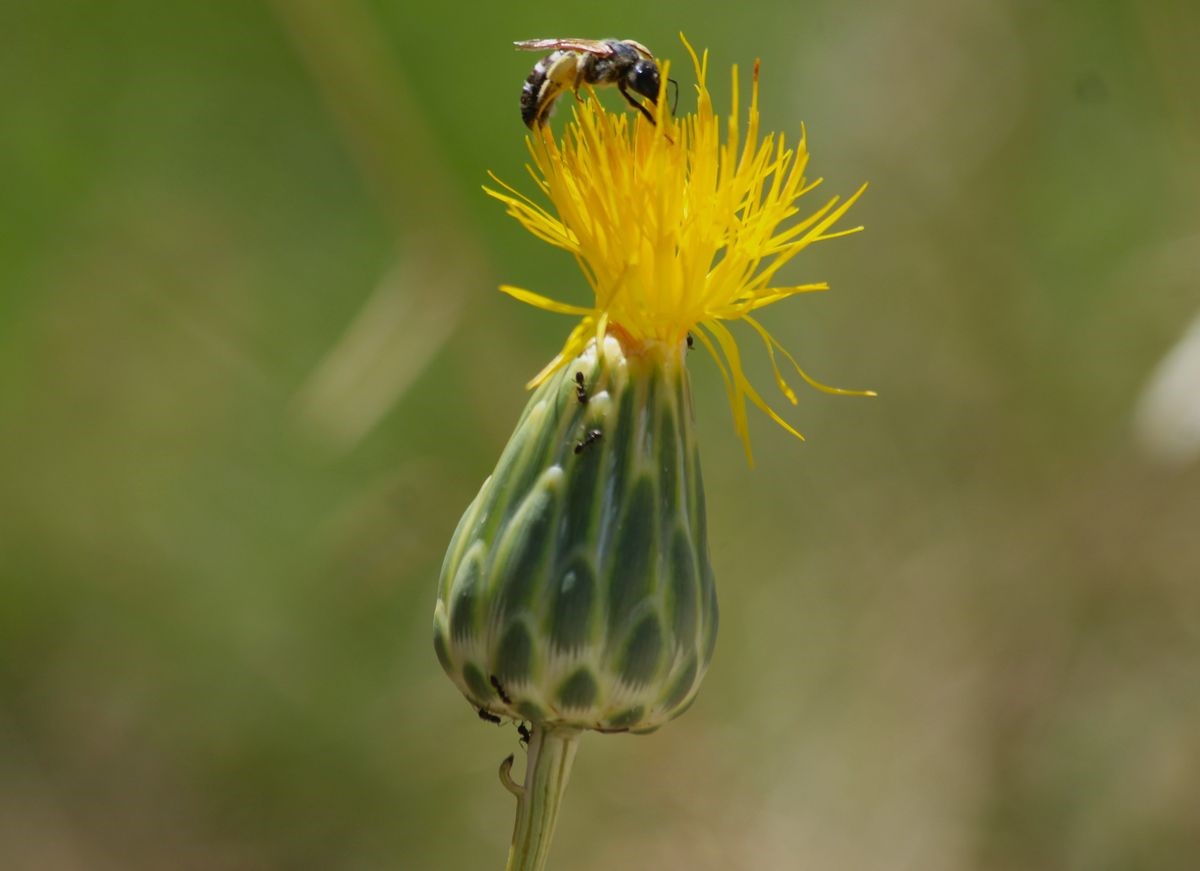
[632, 102]
[562, 73]
[580, 81]
[546, 98]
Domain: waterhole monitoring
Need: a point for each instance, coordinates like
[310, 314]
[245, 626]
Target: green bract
[577, 590]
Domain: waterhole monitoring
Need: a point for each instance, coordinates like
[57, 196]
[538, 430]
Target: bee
[576, 62]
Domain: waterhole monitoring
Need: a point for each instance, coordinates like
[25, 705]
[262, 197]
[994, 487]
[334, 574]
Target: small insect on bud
[500, 690]
[485, 714]
[580, 391]
[593, 435]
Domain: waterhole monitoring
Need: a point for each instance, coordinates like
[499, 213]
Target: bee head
[644, 79]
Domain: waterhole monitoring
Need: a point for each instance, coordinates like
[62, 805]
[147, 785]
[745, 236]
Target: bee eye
[646, 80]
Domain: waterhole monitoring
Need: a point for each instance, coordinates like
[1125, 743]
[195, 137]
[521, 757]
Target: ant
[500, 691]
[593, 435]
[485, 714]
[691, 341]
[524, 732]
[580, 391]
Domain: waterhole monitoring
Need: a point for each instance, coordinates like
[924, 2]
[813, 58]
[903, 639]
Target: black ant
[525, 734]
[691, 341]
[593, 435]
[500, 690]
[580, 391]
[485, 714]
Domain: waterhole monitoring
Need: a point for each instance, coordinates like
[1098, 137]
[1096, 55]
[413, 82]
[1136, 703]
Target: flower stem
[551, 752]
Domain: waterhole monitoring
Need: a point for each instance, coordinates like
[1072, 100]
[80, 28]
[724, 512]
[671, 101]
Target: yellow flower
[676, 231]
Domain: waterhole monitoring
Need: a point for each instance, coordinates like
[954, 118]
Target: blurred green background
[253, 365]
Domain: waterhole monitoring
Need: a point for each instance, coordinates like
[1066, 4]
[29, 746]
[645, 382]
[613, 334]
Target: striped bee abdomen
[539, 91]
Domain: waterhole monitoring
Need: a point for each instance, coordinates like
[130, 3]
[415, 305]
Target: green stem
[551, 753]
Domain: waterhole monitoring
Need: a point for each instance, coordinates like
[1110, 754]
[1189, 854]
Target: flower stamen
[677, 229]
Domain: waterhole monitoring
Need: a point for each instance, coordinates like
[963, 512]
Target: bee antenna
[675, 101]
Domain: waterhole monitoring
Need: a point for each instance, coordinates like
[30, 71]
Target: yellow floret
[675, 230]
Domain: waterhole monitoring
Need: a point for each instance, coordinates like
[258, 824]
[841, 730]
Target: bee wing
[591, 46]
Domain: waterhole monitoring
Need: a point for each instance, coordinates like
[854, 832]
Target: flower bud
[577, 590]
